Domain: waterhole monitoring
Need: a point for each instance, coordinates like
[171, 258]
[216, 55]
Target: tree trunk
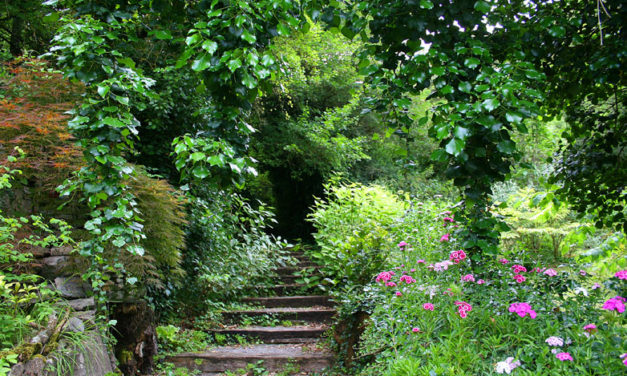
[16, 42]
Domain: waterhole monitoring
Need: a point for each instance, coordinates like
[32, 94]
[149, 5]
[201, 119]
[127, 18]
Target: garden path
[294, 346]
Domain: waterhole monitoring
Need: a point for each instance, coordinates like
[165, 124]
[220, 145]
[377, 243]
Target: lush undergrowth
[433, 311]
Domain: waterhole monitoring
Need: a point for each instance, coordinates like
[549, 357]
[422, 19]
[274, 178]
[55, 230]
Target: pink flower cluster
[448, 220]
[616, 303]
[468, 278]
[457, 256]
[519, 269]
[519, 278]
[522, 309]
[590, 328]
[550, 272]
[384, 276]
[563, 356]
[463, 308]
[402, 245]
[440, 266]
[621, 274]
[504, 261]
[445, 238]
[407, 279]
[428, 306]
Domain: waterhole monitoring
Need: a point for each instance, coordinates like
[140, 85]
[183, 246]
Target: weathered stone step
[291, 301]
[312, 314]
[274, 357]
[283, 288]
[278, 334]
[289, 270]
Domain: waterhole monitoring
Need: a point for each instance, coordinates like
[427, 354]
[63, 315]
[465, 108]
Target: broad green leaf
[248, 37]
[210, 46]
[557, 31]
[113, 122]
[197, 156]
[506, 147]
[192, 39]
[426, 4]
[482, 6]
[455, 146]
[234, 64]
[203, 63]
[490, 104]
[200, 172]
[163, 34]
[464, 86]
[513, 117]
[448, 89]
[103, 90]
[472, 62]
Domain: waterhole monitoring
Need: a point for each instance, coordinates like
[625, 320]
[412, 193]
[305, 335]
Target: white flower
[581, 290]
[507, 366]
[555, 341]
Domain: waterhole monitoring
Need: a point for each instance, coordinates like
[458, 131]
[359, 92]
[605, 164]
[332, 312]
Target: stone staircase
[303, 317]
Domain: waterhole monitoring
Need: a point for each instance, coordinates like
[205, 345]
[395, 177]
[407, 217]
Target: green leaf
[197, 156]
[513, 117]
[234, 64]
[348, 32]
[210, 46]
[163, 34]
[426, 4]
[192, 39]
[103, 90]
[461, 132]
[472, 62]
[203, 63]
[557, 31]
[267, 60]
[455, 146]
[248, 37]
[490, 104]
[506, 147]
[200, 172]
[464, 86]
[249, 81]
[113, 122]
[482, 6]
[448, 89]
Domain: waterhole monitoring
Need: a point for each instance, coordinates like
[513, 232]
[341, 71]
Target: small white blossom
[555, 341]
[507, 366]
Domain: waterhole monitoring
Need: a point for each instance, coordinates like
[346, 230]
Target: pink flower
[550, 272]
[407, 279]
[448, 220]
[519, 278]
[384, 277]
[554, 341]
[596, 286]
[428, 306]
[583, 273]
[445, 238]
[590, 328]
[421, 261]
[522, 309]
[624, 358]
[480, 282]
[468, 278]
[412, 270]
[504, 261]
[621, 274]
[563, 356]
[463, 308]
[440, 266]
[398, 293]
[519, 269]
[616, 303]
[415, 330]
[457, 256]
[390, 284]
[401, 245]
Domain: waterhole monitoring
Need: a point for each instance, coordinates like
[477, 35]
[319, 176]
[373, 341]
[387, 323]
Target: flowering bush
[508, 315]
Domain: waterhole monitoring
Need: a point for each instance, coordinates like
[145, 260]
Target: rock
[72, 287]
[82, 304]
[41, 337]
[61, 251]
[136, 337]
[34, 367]
[53, 266]
[74, 324]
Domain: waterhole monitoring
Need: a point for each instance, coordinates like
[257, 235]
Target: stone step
[289, 270]
[275, 357]
[291, 301]
[278, 334]
[310, 314]
[281, 289]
